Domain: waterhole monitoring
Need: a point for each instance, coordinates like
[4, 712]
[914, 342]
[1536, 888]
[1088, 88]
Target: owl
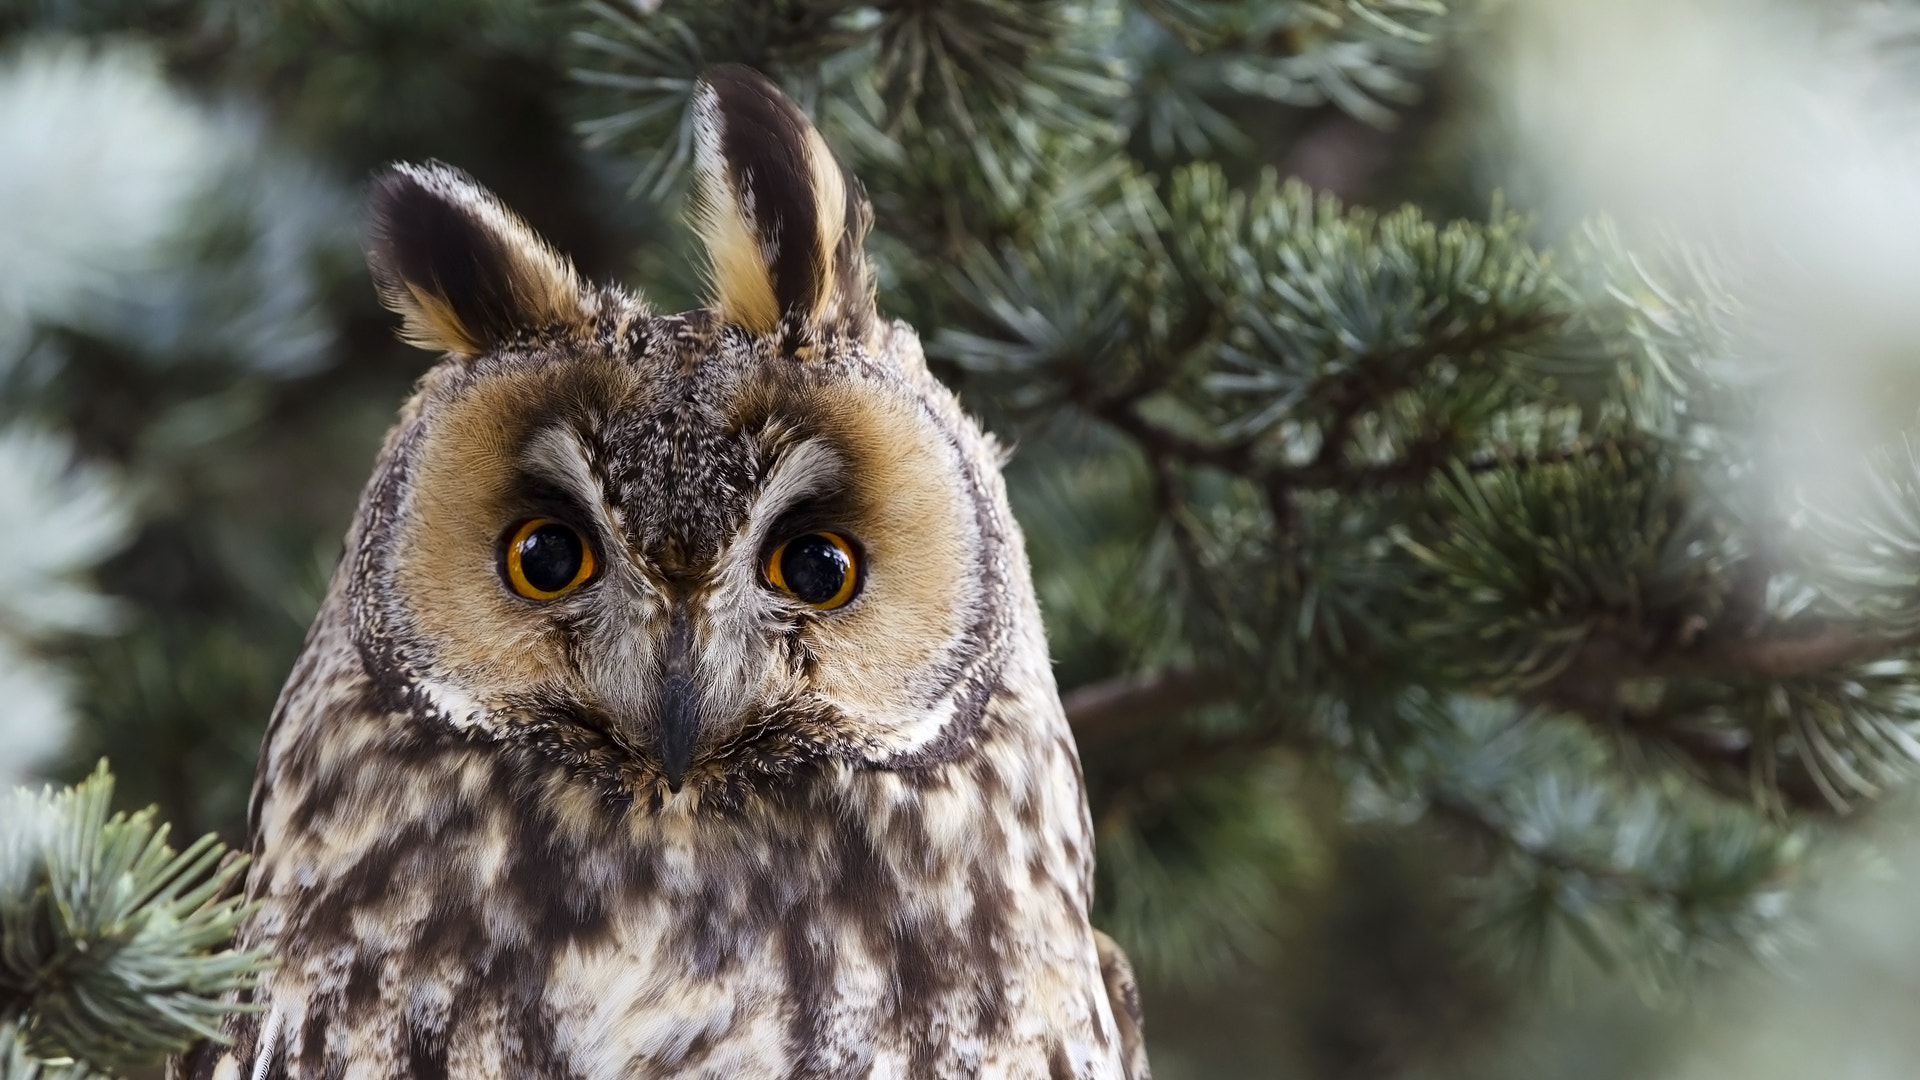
[680, 705]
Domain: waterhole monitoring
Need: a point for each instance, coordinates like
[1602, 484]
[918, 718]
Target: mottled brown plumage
[674, 820]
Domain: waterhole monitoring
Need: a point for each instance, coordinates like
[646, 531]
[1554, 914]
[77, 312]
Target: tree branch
[1724, 759]
[1606, 660]
[1106, 712]
[1329, 470]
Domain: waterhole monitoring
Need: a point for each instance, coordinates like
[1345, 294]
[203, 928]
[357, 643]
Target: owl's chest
[867, 979]
[897, 931]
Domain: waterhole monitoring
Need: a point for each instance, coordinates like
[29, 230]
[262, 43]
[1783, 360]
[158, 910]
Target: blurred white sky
[1786, 136]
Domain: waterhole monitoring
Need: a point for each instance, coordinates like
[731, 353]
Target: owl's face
[683, 553]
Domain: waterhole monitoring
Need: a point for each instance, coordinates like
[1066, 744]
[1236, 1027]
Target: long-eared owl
[680, 706]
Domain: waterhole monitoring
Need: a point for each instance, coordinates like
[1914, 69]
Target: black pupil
[550, 556]
[814, 568]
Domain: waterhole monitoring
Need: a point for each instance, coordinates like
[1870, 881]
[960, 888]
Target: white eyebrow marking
[556, 454]
[809, 468]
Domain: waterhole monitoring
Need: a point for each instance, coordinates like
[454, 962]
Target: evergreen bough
[112, 944]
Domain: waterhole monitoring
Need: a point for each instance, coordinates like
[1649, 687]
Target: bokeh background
[194, 376]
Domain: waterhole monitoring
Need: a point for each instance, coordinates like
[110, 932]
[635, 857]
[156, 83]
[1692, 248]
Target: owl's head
[687, 553]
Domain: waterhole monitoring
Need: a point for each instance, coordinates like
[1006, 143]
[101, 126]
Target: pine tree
[1354, 502]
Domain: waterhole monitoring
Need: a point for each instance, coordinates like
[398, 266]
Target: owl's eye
[544, 559]
[818, 569]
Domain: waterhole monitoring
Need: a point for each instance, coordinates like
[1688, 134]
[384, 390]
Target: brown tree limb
[1725, 759]
[1605, 660]
[1106, 712]
[1129, 704]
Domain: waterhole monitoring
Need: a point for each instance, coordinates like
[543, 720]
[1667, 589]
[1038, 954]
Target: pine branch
[1463, 814]
[1127, 705]
[1631, 869]
[1609, 660]
[1329, 471]
[114, 943]
[1358, 54]
[18, 1062]
[1728, 759]
[1810, 722]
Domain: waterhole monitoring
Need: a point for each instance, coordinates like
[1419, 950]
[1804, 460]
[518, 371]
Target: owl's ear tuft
[463, 270]
[783, 226]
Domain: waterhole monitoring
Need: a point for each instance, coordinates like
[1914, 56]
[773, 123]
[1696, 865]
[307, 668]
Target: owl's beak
[679, 722]
[678, 710]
